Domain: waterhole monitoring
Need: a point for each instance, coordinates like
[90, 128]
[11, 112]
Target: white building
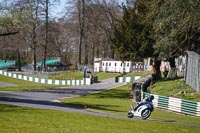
[109, 65]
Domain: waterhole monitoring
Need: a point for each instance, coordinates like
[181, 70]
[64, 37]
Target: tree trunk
[34, 43]
[112, 52]
[46, 35]
[19, 60]
[157, 70]
[9, 33]
[172, 62]
[81, 7]
[93, 53]
[34, 38]
[34, 59]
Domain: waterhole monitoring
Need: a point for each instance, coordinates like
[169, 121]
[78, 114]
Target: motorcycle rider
[144, 101]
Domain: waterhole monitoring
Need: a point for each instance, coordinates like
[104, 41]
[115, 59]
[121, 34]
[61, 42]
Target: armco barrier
[126, 79]
[175, 104]
[85, 81]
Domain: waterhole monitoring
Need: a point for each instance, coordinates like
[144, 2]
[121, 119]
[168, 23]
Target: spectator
[153, 69]
[91, 77]
[166, 70]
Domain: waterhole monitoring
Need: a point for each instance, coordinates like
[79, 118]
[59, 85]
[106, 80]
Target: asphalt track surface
[49, 99]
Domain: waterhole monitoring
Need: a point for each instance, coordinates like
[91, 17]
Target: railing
[85, 81]
[175, 104]
[126, 79]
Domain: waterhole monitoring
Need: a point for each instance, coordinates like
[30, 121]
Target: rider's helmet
[151, 97]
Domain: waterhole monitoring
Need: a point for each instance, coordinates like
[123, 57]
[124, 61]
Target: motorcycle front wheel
[130, 114]
[145, 114]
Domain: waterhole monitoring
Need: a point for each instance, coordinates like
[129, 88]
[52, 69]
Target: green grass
[118, 101]
[102, 75]
[67, 75]
[60, 75]
[138, 74]
[115, 101]
[21, 84]
[27, 85]
[174, 88]
[28, 120]
[71, 75]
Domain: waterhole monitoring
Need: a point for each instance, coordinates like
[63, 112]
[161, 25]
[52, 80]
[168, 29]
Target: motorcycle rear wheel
[145, 114]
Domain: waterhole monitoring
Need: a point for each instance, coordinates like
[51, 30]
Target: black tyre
[145, 114]
[130, 115]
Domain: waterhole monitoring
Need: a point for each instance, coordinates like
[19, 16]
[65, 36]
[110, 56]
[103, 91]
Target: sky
[57, 9]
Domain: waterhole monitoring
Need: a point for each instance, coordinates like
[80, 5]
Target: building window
[103, 64]
[115, 64]
[121, 64]
[109, 64]
[127, 64]
[106, 64]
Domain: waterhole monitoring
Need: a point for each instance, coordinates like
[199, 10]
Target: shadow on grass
[11, 108]
[114, 94]
[56, 105]
[80, 106]
[167, 79]
[101, 107]
[175, 122]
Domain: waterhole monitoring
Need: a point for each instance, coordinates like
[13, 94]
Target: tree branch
[9, 33]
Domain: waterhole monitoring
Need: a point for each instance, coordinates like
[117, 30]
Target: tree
[31, 20]
[133, 36]
[7, 23]
[175, 28]
[96, 35]
[81, 20]
[151, 28]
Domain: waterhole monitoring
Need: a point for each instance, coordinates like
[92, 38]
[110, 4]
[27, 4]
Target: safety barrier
[85, 81]
[126, 79]
[175, 104]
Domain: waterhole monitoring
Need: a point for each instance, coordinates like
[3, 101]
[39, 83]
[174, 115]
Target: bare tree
[81, 20]
[95, 20]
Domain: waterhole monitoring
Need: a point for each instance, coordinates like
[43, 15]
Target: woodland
[126, 30]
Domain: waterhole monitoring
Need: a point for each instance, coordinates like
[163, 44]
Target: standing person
[166, 70]
[154, 72]
[91, 77]
[153, 69]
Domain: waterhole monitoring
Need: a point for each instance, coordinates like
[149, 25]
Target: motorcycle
[143, 111]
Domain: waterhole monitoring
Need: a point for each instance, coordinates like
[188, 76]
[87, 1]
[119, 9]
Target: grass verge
[118, 101]
[22, 85]
[28, 120]
[143, 73]
[175, 88]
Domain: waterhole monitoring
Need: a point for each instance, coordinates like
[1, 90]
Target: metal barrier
[193, 70]
[85, 81]
[126, 79]
[175, 104]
